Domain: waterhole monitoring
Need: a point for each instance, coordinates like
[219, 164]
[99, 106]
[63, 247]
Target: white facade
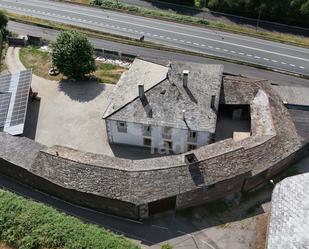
[156, 137]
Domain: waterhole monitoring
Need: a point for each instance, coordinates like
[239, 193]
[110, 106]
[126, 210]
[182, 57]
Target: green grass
[108, 73]
[41, 62]
[25, 224]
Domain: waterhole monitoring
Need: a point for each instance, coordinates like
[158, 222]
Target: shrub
[166, 246]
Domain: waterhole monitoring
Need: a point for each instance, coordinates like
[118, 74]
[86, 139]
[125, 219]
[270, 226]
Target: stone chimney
[141, 91]
[185, 76]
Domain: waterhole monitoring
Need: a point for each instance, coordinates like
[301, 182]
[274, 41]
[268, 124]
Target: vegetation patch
[26, 224]
[40, 62]
[108, 73]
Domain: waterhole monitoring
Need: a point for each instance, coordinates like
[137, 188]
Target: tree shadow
[81, 90]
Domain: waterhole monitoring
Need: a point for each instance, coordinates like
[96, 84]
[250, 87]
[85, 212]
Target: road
[152, 54]
[219, 16]
[197, 39]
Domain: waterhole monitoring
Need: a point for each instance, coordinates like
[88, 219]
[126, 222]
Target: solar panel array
[14, 94]
[4, 107]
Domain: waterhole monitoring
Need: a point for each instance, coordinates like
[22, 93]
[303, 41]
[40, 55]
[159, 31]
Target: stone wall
[126, 187]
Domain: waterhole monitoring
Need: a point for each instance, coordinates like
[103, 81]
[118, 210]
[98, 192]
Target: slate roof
[166, 96]
[289, 222]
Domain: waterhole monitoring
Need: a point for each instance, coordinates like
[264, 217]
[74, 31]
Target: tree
[72, 55]
[3, 22]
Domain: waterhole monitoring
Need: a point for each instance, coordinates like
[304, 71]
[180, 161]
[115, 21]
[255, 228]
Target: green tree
[3, 22]
[72, 55]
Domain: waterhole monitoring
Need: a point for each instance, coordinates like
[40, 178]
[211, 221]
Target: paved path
[69, 113]
[242, 48]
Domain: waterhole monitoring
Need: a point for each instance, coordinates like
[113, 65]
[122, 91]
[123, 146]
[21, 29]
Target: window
[147, 141]
[122, 126]
[191, 147]
[167, 132]
[192, 136]
[147, 130]
[168, 145]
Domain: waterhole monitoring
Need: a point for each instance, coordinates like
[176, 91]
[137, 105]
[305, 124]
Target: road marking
[292, 65]
[241, 53]
[225, 50]
[210, 46]
[274, 61]
[165, 228]
[189, 35]
[283, 63]
[249, 55]
[301, 67]
[173, 25]
[196, 44]
[266, 59]
[233, 52]
[218, 48]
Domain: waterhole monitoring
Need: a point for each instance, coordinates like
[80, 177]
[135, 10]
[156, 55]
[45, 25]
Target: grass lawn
[41, 62]
[108, 73]
[30, 225]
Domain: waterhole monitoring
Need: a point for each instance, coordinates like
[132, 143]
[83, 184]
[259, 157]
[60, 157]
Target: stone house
[165, 107]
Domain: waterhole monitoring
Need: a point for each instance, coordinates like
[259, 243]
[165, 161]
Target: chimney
[213, 99]
[141, 92]
[185, 75]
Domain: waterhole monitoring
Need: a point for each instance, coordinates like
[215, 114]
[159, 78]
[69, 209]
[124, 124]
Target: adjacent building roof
[171, 104]
[289, 222]
[14, 93]
[293, 95]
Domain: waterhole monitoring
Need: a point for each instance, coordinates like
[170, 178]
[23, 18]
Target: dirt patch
[4, 246]
[262, 224]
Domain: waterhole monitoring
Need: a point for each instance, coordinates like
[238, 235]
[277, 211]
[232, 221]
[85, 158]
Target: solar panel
[17, 87]
[4, 106]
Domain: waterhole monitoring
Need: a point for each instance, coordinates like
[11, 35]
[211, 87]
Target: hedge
[26, 224]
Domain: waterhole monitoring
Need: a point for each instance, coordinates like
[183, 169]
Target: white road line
[292, 65]
[274, 61]
[165, 228]
[210, 46]
[283, 63]
[266, 59]
[233, 52]
[241, 53]
[301, 67]
[218, 48]
[249, 55]
[189, 35]
[196, 44]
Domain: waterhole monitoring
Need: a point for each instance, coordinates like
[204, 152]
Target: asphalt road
[152, 54]
[219, 16]
[243, 48]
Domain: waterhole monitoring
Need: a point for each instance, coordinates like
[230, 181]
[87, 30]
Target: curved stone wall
[129, 187]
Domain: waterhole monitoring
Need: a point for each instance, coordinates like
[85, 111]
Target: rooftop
[171, 104]
[289, 223]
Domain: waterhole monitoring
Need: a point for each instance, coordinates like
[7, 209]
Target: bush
[73, 55]
[166, 246]
[3, 22]
[25, 224]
